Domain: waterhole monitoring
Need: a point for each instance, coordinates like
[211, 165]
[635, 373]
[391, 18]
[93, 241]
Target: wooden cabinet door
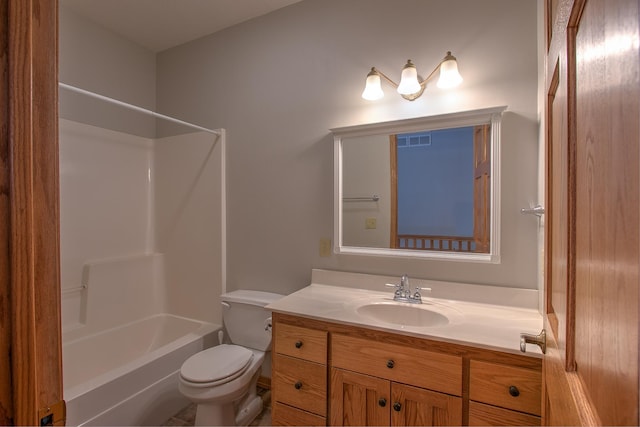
[358, 399]
[413, 406]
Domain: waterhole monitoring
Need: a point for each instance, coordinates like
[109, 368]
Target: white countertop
[490, 326]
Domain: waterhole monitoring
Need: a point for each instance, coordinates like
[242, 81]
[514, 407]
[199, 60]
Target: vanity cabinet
[336, 374]
[393, 384]
[363, 400]
[499, 392]
[299, 375]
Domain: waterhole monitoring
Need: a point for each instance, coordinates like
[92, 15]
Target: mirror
[420, 188]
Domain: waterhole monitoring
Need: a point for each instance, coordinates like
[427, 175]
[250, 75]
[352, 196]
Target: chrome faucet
[403, 291]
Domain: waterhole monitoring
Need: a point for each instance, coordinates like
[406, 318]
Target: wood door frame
[29, 208]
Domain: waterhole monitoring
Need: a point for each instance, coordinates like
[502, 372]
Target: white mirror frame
[491, 116]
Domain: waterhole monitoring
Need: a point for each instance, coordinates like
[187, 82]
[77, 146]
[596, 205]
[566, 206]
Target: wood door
[593, 190]
[358, 399]
[393, 186]
[481, 186]
[31, 375]
[413, 406]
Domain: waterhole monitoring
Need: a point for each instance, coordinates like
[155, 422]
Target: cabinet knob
[298, 385]
[390, 364]
[397, 406]
[513, 391]
[382, 402]
[298, 344]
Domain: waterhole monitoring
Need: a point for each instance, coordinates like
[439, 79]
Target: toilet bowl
[222, 380]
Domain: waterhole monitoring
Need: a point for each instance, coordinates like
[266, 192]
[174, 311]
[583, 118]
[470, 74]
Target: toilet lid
[222, 362]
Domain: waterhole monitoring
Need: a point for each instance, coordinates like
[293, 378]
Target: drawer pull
[390, 364]
[382, 402]
[397, 406]
[298, 344]
[513, 391]
[298, 385]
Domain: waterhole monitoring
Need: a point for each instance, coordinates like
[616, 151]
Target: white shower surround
[142, 255]
[123, 195]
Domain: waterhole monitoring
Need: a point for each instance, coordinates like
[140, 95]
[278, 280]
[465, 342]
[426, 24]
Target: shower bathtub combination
[131, 204]
[121, 364]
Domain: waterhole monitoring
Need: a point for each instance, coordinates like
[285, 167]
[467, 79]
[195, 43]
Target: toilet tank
[246, 319]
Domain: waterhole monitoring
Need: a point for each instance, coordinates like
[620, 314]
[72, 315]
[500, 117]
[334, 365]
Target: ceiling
[160, 24]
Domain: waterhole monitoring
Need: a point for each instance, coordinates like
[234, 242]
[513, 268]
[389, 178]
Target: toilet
[222, 380]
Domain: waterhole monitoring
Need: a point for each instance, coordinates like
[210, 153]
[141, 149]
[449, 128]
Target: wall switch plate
[325, 247]
[370, 223]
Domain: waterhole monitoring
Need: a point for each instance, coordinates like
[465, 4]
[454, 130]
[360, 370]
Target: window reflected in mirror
[434, 217]
[425, 191]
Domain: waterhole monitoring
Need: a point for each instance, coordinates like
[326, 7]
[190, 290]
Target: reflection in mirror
[423, 187]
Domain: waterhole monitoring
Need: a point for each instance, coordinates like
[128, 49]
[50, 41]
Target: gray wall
[95, 59]
[278, 83]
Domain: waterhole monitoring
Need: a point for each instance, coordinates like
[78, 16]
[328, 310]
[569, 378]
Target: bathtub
[128, 375]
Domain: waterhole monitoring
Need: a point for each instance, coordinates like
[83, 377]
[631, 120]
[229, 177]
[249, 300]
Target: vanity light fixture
[410, 86]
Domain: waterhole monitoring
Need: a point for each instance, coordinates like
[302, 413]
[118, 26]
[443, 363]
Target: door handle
[540, 340]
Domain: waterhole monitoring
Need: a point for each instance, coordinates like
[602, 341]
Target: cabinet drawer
[300, 383]
[305, 343]
[284, 415]
[404, 364]
[506, 386]
[485, 415]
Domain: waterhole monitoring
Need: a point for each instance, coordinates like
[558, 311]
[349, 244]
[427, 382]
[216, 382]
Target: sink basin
[403, 315]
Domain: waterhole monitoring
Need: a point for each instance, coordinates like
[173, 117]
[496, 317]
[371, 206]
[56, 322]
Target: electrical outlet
[370, 223]
[325, 247]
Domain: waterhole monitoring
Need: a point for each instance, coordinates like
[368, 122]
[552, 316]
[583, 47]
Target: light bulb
[409, 83]
[449, 75]
[373, 88]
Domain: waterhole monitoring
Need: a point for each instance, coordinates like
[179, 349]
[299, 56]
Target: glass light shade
[449, 75]
[409, 81]
[373, 88]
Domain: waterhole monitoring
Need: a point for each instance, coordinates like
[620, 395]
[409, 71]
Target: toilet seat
[216, 365]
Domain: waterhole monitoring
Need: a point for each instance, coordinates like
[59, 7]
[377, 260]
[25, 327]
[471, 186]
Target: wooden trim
[35, 261]
[549, 193]
[6, 395]
[22, 280]
[571, 201]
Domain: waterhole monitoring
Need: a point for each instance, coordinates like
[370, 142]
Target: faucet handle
[398, 291]
[417, 295]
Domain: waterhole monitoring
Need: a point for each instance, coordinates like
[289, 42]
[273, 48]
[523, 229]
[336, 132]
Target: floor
[187, 415]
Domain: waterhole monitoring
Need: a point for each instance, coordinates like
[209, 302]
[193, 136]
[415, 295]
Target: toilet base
[238, 413]
[215, 415]
[249, 412]
[225, 415]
